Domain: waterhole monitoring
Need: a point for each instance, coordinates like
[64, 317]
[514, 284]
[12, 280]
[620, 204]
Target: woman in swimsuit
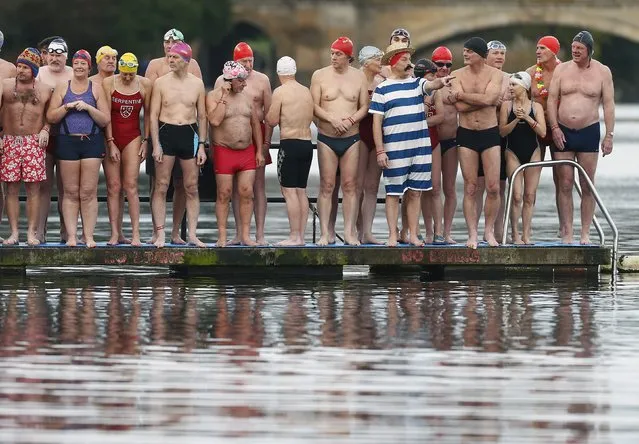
[368, 172]
[127, 94]
[521, 121]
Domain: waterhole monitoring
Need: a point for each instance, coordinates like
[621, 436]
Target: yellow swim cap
[104, 51]
[128, 63]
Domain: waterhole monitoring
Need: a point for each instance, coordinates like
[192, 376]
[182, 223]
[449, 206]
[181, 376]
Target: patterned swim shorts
[22, 159]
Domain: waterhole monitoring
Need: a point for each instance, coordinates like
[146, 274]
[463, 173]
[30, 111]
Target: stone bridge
[304, 29]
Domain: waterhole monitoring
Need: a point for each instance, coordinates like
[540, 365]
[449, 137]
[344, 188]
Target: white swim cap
[286, 66]
[367, 53]
[522, 78]
[1, 39]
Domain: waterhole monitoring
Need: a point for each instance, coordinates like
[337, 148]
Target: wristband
[534, 125]
[45, 129]
[380, 152]
[266, 142]
[350, 119]
[110, 139]
[221, 101]
[554, 127]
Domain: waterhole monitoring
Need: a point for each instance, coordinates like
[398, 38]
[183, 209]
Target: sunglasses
[128, 64]
[56, 51]
[442, 64]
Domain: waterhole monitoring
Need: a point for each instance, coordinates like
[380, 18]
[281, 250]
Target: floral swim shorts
[22, 159]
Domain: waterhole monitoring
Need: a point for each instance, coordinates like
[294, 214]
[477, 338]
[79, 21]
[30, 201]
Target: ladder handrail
[591, 186]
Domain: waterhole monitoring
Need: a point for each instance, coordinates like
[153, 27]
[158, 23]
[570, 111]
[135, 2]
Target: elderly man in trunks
[447, 134]
[541, 73]
[236, 128]
[583, 84]
[475, 93]
[56, 71]
[178, 129]
[258, 86]
[292, 110]
[340, 97]
[26, 135]
[156, 69]
[496, 58]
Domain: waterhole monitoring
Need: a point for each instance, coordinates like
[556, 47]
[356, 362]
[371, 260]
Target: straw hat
[395, 48]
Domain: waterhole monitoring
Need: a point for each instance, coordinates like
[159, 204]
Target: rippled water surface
[158, 359]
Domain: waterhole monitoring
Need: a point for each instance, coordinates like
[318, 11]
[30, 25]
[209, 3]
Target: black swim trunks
[80, 147]
[447, 144]
[478, 140]
[584, 140]
[294, 160]
[179, 140]
[339, 145]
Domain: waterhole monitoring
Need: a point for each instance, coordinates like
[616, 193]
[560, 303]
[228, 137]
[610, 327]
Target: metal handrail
[591, 186]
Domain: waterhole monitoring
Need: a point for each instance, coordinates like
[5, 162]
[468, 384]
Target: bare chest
[584, 83]
[343, 87]
[180, 94]
[475, 83]
[238, 107]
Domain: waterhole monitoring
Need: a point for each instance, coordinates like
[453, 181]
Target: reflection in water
[368, 360]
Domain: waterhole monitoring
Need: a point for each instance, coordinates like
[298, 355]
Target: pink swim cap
[183, 50]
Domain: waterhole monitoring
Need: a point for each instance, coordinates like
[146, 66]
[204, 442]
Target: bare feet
[90, 243]
[403, 236]
[585, 240]
[351, 240]
[113, 241]
[72, 241]
[490, 238]
[331, 239]
[518, 241]
[429, 239]
[323, 241]
[136, 242]
[33, 241]
[415, 241]
[370, 239]
[177, 240]
[221, 242]
[123, 240]
[527, 240]
[567, 239]
[248, 242]
[290, 242]
[234, 241]
[159, 238]
[261, 242]
[196, 242]
[11, 240]
[472, 242]
[392, 240]
[154, 237]
[450, 240]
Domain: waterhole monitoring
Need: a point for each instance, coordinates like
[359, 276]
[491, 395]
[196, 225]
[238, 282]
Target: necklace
[539, 78]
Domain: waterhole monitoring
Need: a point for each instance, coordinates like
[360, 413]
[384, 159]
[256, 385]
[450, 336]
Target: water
[136, 355]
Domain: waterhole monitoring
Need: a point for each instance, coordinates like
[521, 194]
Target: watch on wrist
[610, 133]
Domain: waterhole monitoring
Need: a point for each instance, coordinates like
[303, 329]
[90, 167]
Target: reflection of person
[475, 92]
[521, 122]
[236, 129]
[26, 135]
[401, 138]
[127, 94]
[340, 95]
[80, 108]
[178, 129]
[583, 84]
[292, 110]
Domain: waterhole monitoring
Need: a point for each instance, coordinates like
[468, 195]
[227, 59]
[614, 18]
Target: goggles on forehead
[400, 32]
[496, 44]
[128, 64]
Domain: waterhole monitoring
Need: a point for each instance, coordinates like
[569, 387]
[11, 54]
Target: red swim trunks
[22, 159]
[229, 161]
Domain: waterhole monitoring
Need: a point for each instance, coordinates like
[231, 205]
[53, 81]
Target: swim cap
[423, 67]
[1, 39]
[286, 66]
[128, 63]
[522, 78]
[367, 53]
[174, 34]
[400, 32]
[183, 50]
[550, 42]
[441, 53]
[241, 51]
[32, 58]
[477, 45]
[82, 54]
[58, 45]
[104, 51]
[496, 44]
[234, 70]
[343, 44]
[585, 38]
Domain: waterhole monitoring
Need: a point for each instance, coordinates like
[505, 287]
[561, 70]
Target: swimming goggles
[128, 64]
[56, 51]
[496, 44]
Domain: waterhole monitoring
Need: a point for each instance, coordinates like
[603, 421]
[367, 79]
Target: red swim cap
[393, 60]
[343, 44]
[549, 42]
[241, 51]
[441, 53]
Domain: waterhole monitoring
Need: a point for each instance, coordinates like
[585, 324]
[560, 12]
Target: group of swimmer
[413, 124]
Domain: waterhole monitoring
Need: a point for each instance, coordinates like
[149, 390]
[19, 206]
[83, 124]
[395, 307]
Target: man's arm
[156, 103]
[151, 71]
[490, 97]
[202, 125]
[316, 92]
[57, 111]
[194, 68]
[257, 137]
[273, 116]
[268, 98]
[216, 104]
[608, 99]
[363, 99]
[553, 97]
